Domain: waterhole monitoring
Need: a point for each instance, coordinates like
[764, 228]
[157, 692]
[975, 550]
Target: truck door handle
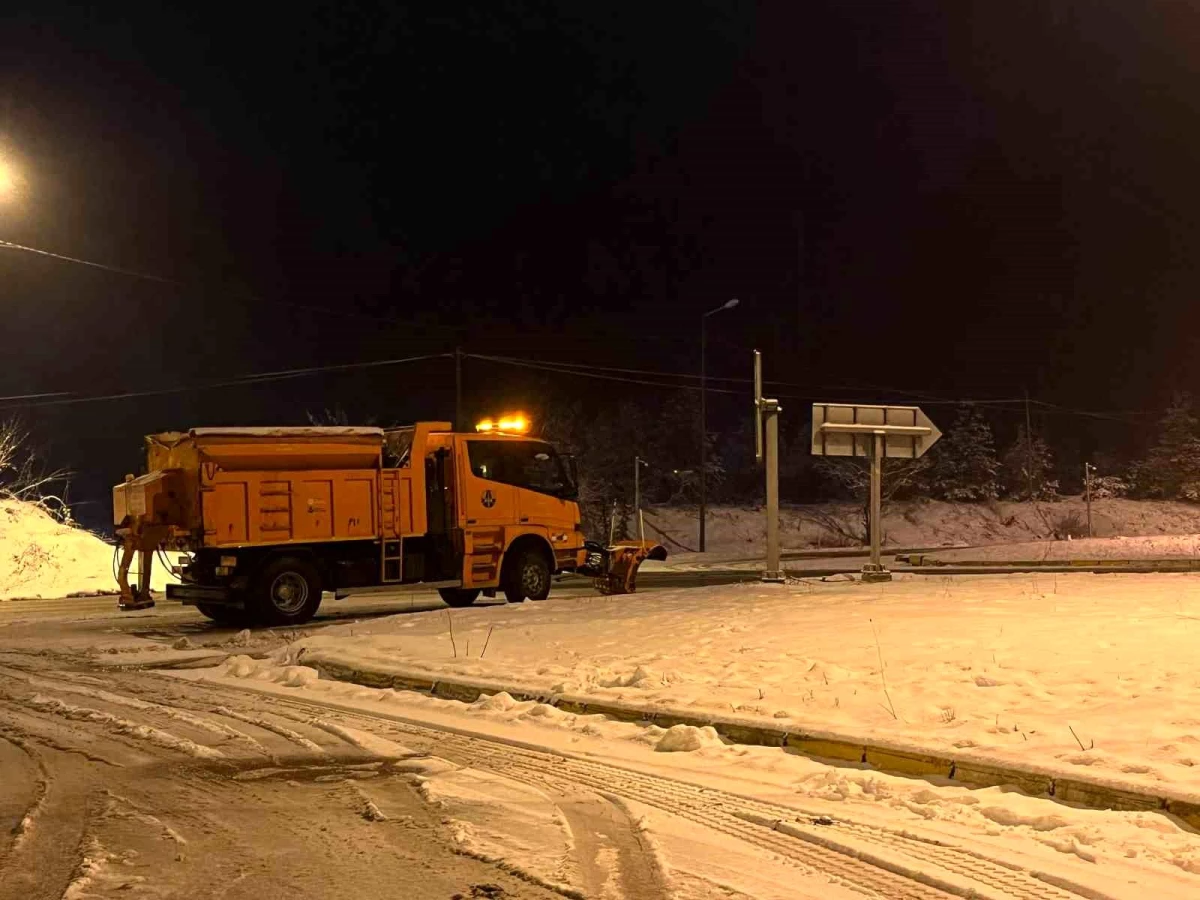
[471, 521]
[524, 519]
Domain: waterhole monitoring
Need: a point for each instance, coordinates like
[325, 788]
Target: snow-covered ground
[1078, 673]
[1124, 854]
[42, 557]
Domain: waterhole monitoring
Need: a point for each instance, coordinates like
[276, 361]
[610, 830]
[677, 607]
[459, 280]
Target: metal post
[771, 458]
[637, 483]
[703, 427]
[458, 407]
[1087, 492]
[1028, 447]
[874, 570]
[876, 500]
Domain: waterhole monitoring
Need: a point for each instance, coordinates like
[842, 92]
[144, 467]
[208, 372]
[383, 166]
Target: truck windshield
[525, 464]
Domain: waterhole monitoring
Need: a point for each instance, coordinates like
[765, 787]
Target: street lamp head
[728, 304]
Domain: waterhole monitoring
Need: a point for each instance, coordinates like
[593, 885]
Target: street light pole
[728, 304]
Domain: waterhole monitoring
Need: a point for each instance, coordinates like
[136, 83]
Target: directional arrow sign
[841, 429]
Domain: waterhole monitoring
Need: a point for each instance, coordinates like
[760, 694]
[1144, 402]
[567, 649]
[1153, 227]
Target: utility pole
[703, 429]
[767, 412]
[728, 304]
[458, 407]
[638, 462]
[1028, 446]
[1088, 469]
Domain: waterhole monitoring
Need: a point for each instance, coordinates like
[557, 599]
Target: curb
[892, 757]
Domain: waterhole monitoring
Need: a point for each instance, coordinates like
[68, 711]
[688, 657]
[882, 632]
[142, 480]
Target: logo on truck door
[488, 499]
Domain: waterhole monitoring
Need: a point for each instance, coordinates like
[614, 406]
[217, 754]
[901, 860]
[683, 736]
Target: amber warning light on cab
[518, 423]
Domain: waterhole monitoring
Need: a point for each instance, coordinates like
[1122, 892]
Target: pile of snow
[687, 738]
[42, 557]
[247, 667]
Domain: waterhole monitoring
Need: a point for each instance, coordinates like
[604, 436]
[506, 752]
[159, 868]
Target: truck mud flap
[620, 565]
[191, 594]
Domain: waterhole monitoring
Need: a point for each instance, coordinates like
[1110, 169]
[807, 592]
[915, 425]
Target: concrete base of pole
[874, 574]
[774, 577]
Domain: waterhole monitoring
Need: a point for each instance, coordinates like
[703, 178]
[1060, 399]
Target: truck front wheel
[286, 592]
[527, 576]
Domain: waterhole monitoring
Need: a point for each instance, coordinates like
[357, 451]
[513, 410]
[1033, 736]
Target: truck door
[488, 496]
[487, 503]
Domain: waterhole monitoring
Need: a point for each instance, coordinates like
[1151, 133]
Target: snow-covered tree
[1028, 465]
[964, 466]
[1172, 468]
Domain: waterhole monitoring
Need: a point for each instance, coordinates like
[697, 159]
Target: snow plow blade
[621, 564]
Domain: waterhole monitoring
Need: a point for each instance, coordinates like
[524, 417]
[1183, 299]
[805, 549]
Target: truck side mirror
[573, 470]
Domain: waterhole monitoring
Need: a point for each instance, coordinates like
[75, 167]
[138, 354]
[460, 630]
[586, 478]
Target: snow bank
[42, 557]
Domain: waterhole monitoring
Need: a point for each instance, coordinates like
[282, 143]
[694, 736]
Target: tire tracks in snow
[863, 859]
[746, 819]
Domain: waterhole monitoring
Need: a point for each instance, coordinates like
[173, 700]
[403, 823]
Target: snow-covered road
[255, 778]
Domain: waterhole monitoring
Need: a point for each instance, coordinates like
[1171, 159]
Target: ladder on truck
[391, 548]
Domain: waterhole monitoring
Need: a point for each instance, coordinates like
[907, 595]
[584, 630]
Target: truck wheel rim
[532, 581]
[289, 592]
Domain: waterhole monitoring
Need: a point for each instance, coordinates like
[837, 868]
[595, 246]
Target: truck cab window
[525, 464]
[542, 471]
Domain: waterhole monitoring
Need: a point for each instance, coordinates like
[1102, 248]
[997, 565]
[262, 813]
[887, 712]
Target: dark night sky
[962, 199]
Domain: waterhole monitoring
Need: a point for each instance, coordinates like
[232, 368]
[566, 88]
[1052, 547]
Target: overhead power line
[238, 381]
[649, 378]
[131, 273]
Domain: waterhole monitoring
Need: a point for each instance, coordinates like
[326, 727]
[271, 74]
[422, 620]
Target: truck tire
[286, 592]
[458, 596]
[526, 577]
[222, 614]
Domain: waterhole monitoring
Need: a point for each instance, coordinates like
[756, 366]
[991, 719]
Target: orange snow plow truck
[267, 519]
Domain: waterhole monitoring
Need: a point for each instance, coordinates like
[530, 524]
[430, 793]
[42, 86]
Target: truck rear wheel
[527, 576]
[458, 596]
[286, 592]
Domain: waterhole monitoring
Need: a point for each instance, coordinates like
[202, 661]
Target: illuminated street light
[8, 180]
[12, 184]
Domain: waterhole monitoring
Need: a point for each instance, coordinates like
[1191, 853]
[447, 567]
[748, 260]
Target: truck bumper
[191, 594]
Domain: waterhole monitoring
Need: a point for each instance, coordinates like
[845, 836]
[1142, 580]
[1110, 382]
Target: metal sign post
[766, 414]
[1088, 469]
[878, 433]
